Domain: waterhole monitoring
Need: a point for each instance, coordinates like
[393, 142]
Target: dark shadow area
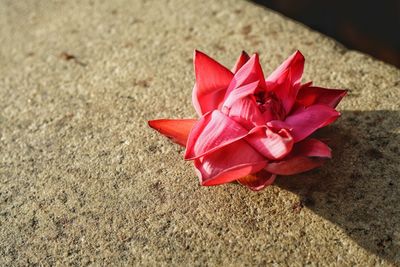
[368, 26]
[359, 189]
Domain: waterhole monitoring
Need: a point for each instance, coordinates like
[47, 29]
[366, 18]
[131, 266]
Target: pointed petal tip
[212, 81]
[244, 53]
[198, 54]
[254, 57]
[298, 55]
[176, 129]
[312, 95]
[307, 84]
[343, 92]
[243, 58]
[153, 123]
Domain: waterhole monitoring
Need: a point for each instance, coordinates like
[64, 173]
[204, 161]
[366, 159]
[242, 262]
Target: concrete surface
[85, 181]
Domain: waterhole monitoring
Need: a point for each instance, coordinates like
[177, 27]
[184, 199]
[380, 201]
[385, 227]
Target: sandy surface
[84, 180]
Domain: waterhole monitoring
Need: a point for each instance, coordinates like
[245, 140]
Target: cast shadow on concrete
[359, 189]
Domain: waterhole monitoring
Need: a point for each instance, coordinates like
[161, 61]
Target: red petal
[213, 131]
[178, 130]
[313, 148]
[294, 165]
[228, 164]
[286, 80]
[248, 73]
[277, 125]
[212, 80]
[305, 121]
[239, 93]
[270, 144]
[257, 181]
[244, 57]
[296, 65]
[246, 112]
[310, 95]
[306, 155]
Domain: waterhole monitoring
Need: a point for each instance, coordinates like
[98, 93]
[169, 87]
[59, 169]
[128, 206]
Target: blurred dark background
[372, 27]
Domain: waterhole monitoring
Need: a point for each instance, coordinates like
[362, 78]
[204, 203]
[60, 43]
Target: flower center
[270, 105]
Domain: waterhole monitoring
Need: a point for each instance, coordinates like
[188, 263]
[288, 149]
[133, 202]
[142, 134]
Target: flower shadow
[359, 189]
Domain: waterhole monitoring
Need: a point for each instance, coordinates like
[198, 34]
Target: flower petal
[248, 73]
[246, 112]
[178, 130]
[310, 95]
[273, 145]
[229, 163]
[306, 155]
[243, 58]
[296, 65]
[213, 131]
[241, 105]
[313, 148]
[294, 165]
[212, 80]
[286, 80]
[304, 121]
[257, 181]
[239, 93]
[277, 124]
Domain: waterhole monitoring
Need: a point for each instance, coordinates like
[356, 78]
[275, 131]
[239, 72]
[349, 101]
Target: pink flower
[252, 129]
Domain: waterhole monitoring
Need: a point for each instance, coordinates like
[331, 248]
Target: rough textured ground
[84, 180]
